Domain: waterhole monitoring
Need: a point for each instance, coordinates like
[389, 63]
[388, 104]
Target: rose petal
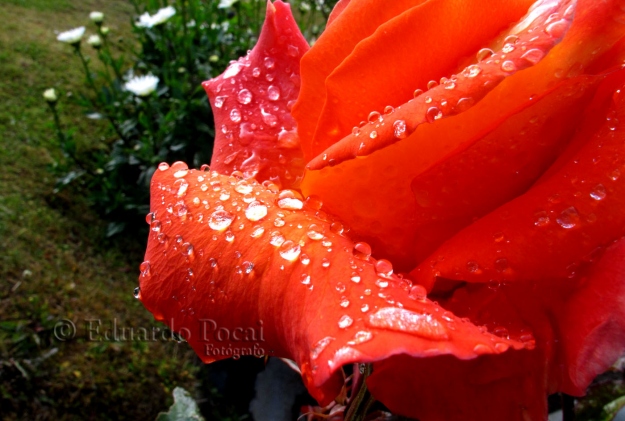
[535, 35]
[376, 199]
[358, 21]
[562, 220]
[251, 101]
[228, 258]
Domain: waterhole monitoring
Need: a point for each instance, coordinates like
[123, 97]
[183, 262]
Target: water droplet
[229, 236]
[305, 279]
[407, 321]
[220, 220]
[508, 66]
[232, 70]
[269, 62]
[598, 192]
[464, 104]
[289, 250]
[472, 71]
[248, 267]
[432, 84]
[569, 218]
[345, 321]
[364, 308]
[155, 225]
[374, 117]
[373, 134]
[362, 250]
[320, 346]
[244, 97]
[290, 203]
[163, 166]
[428, 100]
[145, 269]
[399, 129]
[432, 114]
[137, 292]
[181, 185]
[276, 239]
[180, 169]
[355, 277]
[361, 337]
[235, 115]
[219, 101]
[255, 72]
[187, 249]
[507, 48]
[344, 302]
[533, 55]
[383, 267]
[484, 53]
[325, 263]
[541, 218]
[381, 283]
[257, 231]
[269, 119]
[304, 259]
[255, 211]
[417, 92]
[315, 232]
[273, 93]
[501, 264]
[473, 266]
[449, 84]
[279, 222]
[388, 110]
[418, 293]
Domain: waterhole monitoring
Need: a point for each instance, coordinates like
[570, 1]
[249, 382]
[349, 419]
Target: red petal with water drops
[532, 38]
[377, 200]
[251, 101]
[358, 20]
[558, 225]
[238, 268]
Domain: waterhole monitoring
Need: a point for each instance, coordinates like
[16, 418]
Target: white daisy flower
[142, 85]
[147, 21]
[224, 4]
[50, 95]
[73, 36]
[95, 41]
[96, 17]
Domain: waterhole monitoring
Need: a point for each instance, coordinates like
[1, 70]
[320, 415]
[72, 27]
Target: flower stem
[363, 400]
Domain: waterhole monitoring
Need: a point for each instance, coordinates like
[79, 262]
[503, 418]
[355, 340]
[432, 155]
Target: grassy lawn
[53, 262]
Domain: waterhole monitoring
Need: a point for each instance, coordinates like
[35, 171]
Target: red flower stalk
[498, 188]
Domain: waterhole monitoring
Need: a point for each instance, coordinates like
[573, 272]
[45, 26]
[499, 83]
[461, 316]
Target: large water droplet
[508, 66]
[145, 267]
[255, 211]
[472, 70]
[541, 218]
[273, 93]
[181, 185]
[289, 250]
[556, 29]
[384, 268]
[374, 117]
[598, 192]
[235, 115]
[362, 250]
[432, 114]
[361, 337]
[244, 97]
[345, 321]
[180, 169]
[315, 232]
[533, 55]
[257, 231]
[232, 70]
[399, 129]
[163, 166]
[407, 321]
[569, 218]
[276, 239]
[220, 220]
[137, 292]
[418, 293]
[484, 53]
[290, 203]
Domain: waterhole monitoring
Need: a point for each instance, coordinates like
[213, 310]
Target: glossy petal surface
[251, 101]
[304, 291]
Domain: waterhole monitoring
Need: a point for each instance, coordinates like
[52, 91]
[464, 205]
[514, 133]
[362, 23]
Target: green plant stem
[57, 123]
[85, 65]
[362, 401]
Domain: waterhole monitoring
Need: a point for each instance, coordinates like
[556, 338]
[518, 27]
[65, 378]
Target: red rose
[497, 189]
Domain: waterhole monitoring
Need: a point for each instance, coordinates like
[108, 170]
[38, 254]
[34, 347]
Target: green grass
[53, 263]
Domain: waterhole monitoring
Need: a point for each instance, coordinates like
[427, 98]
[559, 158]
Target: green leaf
[183, 409]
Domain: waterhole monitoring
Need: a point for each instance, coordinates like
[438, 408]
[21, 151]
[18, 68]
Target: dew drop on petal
[374, 117]
[364, 308]
[568, 218]
[244, 96]
[433, 114]
[388, 110]
[320, 346]
[255, 211]
[533, 55]
[541, 218]
[355, 277]
[361, 337]
[273, 93]
[472, 71]
[314, 232]
[362, 250]
[220, 220]
[402, 320]
[598, 192]
[289, 250]
[257, 231]
[163, 166]
[304, 259]
[180, 169]
[373, 134]
[290, 203]
[235, 115]
[484, 53]
[418, 293]
[325, 263]
[417, 92]
[345, 321]
[383, 267]
[137, 292]
[344, 302]
[399, 129]
[508, 66]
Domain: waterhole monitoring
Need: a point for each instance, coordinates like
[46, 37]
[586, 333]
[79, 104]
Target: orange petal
[237, 268]
[357, 21]
[547, 233]
[251, 101]
[534, 36]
